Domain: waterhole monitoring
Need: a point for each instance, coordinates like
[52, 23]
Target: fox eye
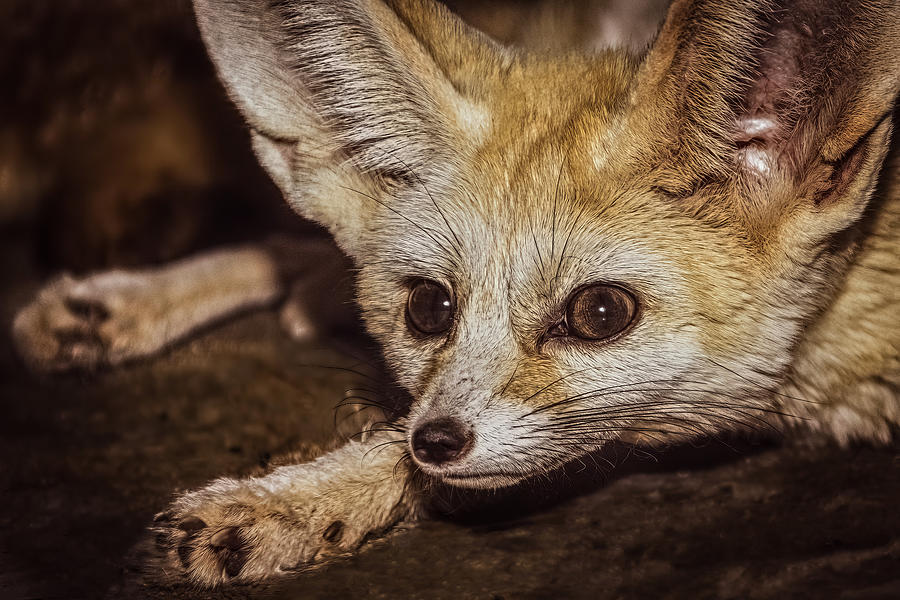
[429, 308]
[599, 312]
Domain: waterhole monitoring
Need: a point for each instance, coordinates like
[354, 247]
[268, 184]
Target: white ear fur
[243, 40]
[754, 136]
[239, 37]
[340, 93]
[276, 157]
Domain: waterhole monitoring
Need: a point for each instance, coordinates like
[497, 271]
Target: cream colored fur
[734, 178]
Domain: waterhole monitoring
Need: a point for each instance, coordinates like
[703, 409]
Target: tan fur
[732, 179]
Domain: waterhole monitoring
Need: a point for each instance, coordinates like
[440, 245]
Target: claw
[91, 311]
[164, 516]
[79, 346]
[163, 541]
[192, 525]
[334, 532]
[229, 538]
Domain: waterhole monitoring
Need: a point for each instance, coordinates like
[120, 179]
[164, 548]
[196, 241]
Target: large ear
[772, 111]
[343, 96]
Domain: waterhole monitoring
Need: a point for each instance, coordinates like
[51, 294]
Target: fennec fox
[553, 251]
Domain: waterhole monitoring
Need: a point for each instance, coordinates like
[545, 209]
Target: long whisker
[562, 165]
[491, 398]
[667, 417]
[537, 247]
[558, 380]
[760, 386]
[339, 368]
[429, 232]
[582, 395]
[405, 457]
[381, 446]
[704, 402]
[458, 246]
[562, 254]
[349, 395]
[635, 387]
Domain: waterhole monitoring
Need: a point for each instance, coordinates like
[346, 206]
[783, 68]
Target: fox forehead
[553, 98]
[554, 125]
[516, 250]
[542, 195]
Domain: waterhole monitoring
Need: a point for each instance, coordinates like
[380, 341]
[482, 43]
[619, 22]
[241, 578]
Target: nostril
[441, 441]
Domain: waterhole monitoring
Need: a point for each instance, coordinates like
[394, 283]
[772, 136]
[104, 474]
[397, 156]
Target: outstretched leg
[250, 529]
[114, 316]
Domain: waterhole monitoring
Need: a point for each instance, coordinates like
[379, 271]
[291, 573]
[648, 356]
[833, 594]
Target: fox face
[558, 251]
[566, 308]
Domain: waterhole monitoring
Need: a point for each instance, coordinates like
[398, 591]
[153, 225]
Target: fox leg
[114, 316]
[250, 529]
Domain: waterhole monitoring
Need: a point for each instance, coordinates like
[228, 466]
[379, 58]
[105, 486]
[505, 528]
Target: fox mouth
[475, 479]
[487, 479]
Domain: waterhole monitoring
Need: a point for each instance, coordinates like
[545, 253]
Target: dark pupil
[429, 307]
[599, 312]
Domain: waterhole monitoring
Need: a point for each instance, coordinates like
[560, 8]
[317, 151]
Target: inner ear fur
[343, 95]
[776, 106]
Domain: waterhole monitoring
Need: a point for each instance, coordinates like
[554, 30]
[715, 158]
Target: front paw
[238, 531]
[100, 320]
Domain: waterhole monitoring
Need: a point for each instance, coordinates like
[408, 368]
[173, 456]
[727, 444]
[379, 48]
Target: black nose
[441, 441]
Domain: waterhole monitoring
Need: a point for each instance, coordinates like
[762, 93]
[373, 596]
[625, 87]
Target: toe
[229, 544]
[78, 348]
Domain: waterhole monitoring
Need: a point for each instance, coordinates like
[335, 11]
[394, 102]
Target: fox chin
[553, 250]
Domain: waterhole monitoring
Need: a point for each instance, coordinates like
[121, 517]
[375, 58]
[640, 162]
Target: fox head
[557, 251]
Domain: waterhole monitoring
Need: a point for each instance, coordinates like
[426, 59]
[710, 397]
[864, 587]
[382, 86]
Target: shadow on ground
[85, 463]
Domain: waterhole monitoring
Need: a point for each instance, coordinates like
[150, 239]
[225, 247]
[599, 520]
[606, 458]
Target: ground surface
[86, 461]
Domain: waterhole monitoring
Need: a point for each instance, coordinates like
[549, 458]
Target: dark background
[118, 148]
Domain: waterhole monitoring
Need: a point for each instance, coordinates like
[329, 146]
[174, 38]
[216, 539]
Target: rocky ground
[86, 461]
